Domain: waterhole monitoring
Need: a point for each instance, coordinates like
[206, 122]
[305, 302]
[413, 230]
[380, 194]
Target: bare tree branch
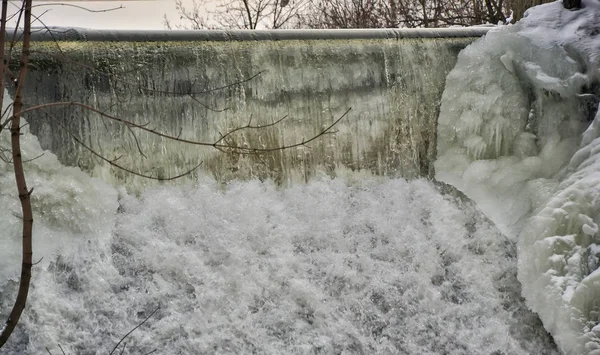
[113, 162]
[242, 14]
[55, 4]
[239, 150]
[132, 330]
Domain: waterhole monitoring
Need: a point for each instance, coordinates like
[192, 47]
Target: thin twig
[263, 162]
[238, 150]
[208, 107]
[14, 36]
[132, 330]
[249, 126]
[32, 159]
[38, 19]
[79, 7]
[113, 161]
[137, 143]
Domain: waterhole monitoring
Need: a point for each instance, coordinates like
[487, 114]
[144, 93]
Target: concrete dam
[199, 85]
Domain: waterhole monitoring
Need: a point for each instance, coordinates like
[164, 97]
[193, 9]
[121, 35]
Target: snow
[514, 136]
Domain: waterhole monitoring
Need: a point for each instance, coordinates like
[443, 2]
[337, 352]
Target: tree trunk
[24, 193]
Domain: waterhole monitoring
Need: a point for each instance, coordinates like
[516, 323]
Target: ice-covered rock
[515, 137]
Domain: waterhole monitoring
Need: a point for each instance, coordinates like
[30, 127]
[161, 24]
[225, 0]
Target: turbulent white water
[514, 136]
[355, 265]
[365, 266]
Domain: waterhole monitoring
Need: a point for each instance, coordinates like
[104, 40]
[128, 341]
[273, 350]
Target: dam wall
[202, 85]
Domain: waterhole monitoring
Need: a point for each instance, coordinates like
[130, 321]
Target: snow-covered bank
[511, 136]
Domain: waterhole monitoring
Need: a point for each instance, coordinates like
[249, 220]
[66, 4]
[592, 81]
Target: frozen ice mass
[499, 255]
[518, 133]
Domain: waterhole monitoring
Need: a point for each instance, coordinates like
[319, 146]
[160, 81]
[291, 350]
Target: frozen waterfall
[515, 136]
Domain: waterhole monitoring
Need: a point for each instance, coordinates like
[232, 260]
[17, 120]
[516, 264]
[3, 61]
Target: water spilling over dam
[200, 85]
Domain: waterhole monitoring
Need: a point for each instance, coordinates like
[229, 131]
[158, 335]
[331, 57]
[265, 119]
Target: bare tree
[345, 14]
[191, 16]
[252, 14]
[520, 6]
[412, 13]
[389, 13]
[17, 160]
[444, 13]
[238, 14]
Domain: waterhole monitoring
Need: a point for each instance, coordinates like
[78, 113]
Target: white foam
[330, 266]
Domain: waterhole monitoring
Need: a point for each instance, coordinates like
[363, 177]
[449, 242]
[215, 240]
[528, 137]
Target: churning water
[355, 265]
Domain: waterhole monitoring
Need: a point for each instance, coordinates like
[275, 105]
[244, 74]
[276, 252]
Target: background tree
[252, 14]
[239, 14]
[410, 13]
[345, 14]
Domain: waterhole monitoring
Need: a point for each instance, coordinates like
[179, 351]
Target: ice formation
[68, 205]
[515, 135]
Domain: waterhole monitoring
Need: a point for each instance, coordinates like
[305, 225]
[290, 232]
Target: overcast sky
[135, 14]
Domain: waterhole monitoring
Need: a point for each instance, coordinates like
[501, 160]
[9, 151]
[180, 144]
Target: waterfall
[392, 86]
[341, 247]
